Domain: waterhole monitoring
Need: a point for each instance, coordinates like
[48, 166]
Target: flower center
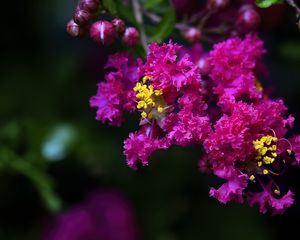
[266, 148]
[150, 101]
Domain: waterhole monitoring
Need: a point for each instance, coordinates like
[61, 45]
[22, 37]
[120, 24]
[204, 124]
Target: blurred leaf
[152, 3]
[41, 181]
[126, 12]
[110, 5]
[9, 161]
[290, 51]
[166, 26]
[267, 3]
[59, 142]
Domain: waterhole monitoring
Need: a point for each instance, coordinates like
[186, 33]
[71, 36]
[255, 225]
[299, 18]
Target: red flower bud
[82, 17]
[90, 6]
[217, 4]
[103, 32]
[119, 25]
[131, 37]
[74, 29]
[203, 65]
[192, 35]
[248, 19]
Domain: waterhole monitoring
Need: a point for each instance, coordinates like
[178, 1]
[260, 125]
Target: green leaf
[166, 26]
[40, 180]
[267, 3]
[152, 3]
[126, 13]
[110, 5]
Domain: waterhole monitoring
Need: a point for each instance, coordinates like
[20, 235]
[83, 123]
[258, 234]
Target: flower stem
[139, 18]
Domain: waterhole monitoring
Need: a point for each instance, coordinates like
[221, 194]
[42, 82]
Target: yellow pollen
[252, 178]
[266, 150]
[265, 172]
[160, 109]
[289, 151]
[277, 192]
[143, 114]
[148, 98]
[274, 154]
[259, 164]
[268, 160]
[258, 86]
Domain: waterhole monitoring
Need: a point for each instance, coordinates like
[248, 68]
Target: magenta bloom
[226, 112]
[233, 63]
[139, 146]
[101, 216]
[116, 95]
[166, 70]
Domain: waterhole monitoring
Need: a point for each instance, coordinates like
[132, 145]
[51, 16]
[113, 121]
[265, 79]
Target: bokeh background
[53, 153]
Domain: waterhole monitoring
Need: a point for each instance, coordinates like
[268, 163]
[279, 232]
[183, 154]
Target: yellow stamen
[252, 178]
[259, 164]
[148, 98]
[143, 114]
[265, 172]
[277, 191]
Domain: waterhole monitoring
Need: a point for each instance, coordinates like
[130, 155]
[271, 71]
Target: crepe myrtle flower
[223, 109]
[103, 214]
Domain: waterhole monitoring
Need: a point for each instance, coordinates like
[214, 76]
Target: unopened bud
[119, 25]
[103, 32]
[74, 29]
[192, 35]
[131, 37]
[82, 17]
[203, 65]
[217, 4]
[90, 6]
[248, 19]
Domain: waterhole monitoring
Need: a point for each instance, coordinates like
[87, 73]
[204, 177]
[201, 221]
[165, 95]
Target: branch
[139, 18]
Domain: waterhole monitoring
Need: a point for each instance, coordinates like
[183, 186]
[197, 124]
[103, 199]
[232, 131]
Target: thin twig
[139, 18]
[294, 5]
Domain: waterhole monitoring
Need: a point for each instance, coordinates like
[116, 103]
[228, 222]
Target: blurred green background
[53, 152]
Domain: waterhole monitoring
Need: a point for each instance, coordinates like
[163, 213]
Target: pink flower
[116, 94]
[295, 143]
[266, 201]
[233, 188]
[102, 215]
[167, 70]
[140, 145]
[232, 65]
[191, 124]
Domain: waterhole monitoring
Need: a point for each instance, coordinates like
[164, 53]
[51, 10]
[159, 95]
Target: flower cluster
[102, 215]
[223, 108]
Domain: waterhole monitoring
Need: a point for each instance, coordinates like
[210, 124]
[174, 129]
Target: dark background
[46, 80]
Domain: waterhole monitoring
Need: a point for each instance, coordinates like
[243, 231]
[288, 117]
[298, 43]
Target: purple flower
[232, 65]
[167, 71]
[267, 201]
[102, 215]
[116, 95]
[140, 145]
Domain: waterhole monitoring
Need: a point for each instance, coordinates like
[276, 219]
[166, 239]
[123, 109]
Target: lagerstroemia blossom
[225, 110]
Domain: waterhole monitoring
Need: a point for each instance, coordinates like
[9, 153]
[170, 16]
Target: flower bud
[131, 37]
[103, 32]
[82, 17]
[217, 4]
[90, 6]
[203, 65]
[248, 19]
[74, 30]
[192, 35]
[119, 25]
